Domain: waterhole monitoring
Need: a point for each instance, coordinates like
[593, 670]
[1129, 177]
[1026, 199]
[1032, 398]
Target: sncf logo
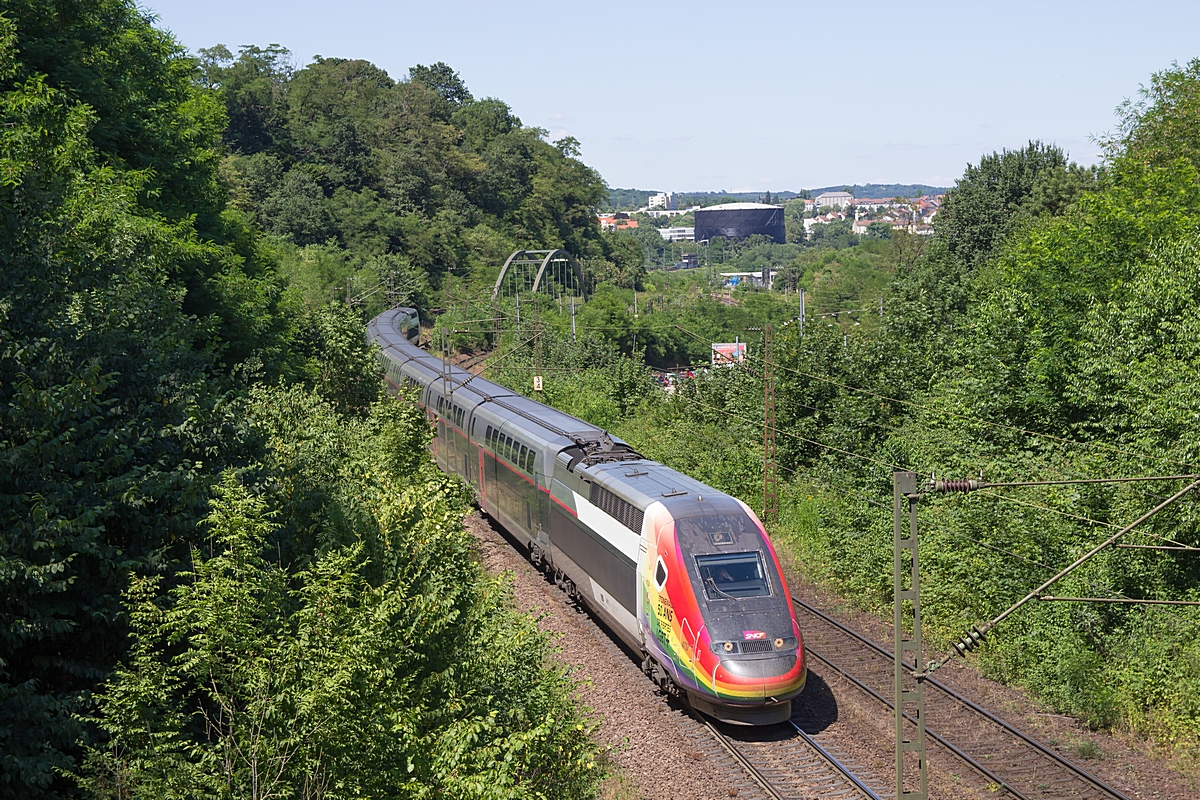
[753, 635]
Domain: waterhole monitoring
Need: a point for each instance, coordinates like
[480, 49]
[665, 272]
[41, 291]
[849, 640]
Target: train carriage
[682, 573]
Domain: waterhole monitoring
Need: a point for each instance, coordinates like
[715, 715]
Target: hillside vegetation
[364, 181]
[227, 566]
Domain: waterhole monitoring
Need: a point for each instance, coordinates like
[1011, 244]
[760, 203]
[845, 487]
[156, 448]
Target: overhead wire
[1000, 550]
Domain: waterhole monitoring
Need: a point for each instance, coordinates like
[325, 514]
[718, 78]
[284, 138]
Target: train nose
[758, 678]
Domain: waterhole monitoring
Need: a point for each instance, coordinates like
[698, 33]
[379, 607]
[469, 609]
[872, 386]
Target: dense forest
[1048, 331]
[362, 181]
[227, 569]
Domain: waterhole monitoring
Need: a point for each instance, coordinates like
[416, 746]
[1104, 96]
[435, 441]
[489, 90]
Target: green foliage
[1004, 190]
[343, 367]
[1056, 300]
[258, 681]
[1159, 128]
[140, 317]
[128, 296]
[340, 155]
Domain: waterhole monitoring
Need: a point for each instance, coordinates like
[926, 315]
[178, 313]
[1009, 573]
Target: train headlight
[729, 647]
[779, 644]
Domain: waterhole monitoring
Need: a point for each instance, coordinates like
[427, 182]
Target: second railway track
[1003, 756]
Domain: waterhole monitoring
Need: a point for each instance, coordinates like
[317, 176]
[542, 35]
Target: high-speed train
[684, 574]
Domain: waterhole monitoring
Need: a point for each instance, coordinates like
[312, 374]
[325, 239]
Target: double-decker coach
[683, 574]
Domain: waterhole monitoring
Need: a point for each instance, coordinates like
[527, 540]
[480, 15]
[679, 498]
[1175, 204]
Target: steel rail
[738, 756]
[1023, 737]
[994, 778]
[838, 765]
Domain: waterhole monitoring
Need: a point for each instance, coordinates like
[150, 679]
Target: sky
[753, 96]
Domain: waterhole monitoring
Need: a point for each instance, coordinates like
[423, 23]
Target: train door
[542, 526]
[642, 598]
[482, 477]
[442, 445]
[471, 458]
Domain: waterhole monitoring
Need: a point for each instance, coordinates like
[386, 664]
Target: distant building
[835, 200]
[753, 278]
[664, 200]
[680, 234]
[875, 203]
[740, 221]
[616, 222]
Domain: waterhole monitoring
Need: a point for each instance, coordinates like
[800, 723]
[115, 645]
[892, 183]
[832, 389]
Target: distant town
[872, 213]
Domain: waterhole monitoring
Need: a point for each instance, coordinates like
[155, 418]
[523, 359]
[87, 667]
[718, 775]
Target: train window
[529, 462]
[733, 575]
[522, 456]
[488, 436]
[508, 447]
[472, 429]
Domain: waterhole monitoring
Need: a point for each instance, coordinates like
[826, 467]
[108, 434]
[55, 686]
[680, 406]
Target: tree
[297, 209]
[443, 80]
[1002, 191]
[254, 89]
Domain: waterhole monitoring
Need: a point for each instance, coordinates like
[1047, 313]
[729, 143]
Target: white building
[679, 234]
[665, 212]
[665, 200]
[835, 200]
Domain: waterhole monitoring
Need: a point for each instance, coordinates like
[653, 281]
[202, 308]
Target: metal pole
[770, 473]
[572, 318]
[801, 310]
[972, 639]
[908, 702]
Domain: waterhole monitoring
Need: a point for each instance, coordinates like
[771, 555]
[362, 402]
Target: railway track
[1004, 757]
[786, 762]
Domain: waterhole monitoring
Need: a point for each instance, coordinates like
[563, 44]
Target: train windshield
[733, 575]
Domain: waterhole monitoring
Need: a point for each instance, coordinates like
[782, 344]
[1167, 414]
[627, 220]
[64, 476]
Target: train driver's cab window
[732, 576]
